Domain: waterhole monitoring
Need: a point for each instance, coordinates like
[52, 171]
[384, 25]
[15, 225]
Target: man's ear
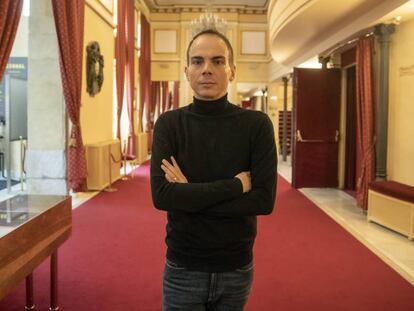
[233, 73]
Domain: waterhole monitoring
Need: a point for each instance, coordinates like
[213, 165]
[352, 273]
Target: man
[213, 169]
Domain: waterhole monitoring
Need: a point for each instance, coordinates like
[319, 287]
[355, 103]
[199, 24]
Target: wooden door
[316, 107]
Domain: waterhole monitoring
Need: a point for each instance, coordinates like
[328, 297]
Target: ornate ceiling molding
[251, 7]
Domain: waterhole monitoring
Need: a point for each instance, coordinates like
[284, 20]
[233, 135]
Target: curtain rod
[348, 42]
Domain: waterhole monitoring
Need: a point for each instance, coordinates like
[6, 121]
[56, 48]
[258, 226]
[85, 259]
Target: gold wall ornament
[94, 68]
[407, 71]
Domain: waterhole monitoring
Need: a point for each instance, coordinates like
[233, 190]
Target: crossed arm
[248, 193]
[173, 174]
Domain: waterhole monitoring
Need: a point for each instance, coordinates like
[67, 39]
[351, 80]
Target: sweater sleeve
[260, 199]
[189, 197]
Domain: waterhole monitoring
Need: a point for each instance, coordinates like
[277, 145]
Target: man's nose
[207, 67]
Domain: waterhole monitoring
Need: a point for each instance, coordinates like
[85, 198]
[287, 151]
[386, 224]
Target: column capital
[384, 32]
[285, 79]
[324, 60]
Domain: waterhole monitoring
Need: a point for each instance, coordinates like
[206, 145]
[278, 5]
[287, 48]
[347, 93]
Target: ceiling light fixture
[208, 20]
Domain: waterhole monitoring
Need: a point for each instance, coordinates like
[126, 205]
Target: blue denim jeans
[185, 290]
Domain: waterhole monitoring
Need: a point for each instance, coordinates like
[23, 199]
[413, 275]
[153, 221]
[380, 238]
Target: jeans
[185, 290]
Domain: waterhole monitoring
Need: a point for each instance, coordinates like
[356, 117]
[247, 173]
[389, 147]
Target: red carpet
[303, 259]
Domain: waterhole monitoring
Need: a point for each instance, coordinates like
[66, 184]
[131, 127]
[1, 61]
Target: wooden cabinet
[98, 161]
[391, 212]
[141, 147]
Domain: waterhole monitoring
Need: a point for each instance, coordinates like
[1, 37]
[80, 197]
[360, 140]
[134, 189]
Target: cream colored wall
[170, 66]
[96, 112]
[400, 164]
[252, 72]
[165, 71]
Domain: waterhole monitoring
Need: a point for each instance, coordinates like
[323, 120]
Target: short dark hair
[214, 33]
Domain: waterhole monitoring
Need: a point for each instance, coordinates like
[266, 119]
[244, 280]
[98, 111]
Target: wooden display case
[32, 229]
[98, 161]
[142, 147]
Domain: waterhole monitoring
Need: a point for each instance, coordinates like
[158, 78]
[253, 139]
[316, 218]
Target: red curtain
[69, 18]
[165, 96]
[145, 75]
[176, 98]
[10, 12]
[120, 55]
[130, 67]
[365, 119]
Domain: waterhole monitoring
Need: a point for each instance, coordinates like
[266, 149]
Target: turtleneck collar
[210, 107]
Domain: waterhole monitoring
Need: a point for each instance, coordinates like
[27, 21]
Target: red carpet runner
[304, 260]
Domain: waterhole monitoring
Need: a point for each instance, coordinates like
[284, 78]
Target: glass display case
[32, 227]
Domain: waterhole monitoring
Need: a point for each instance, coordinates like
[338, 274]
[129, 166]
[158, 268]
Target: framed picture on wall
[108, 5]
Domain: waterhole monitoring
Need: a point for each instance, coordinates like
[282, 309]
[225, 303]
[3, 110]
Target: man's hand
[173, 172]
[246, 181]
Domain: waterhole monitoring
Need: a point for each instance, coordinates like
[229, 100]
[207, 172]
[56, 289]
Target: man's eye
[219, 61]
[196, 61]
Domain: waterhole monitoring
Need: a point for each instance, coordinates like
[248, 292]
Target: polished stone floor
[393, 248]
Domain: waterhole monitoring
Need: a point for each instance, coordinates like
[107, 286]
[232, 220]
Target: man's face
[209, 71]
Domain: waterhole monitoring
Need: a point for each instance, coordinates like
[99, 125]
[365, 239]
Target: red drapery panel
[120, 56]
[69, 18]
[145, 75]
[10, 12]
[130, 67]
[176, 98]
[165, 96]
[365, 119]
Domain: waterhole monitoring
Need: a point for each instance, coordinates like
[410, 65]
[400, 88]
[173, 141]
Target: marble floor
[393, 248]
[81, 197]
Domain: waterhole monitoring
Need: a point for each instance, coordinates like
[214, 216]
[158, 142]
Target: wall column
[46, 154]
[383, 33]
[284, 129]
[324, 61]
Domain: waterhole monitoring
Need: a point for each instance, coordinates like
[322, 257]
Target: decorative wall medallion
[94, 68]
[407, 71]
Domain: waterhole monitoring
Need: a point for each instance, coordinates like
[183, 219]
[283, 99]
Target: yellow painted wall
[165, 71]
[400, 163]
[170, 66]
[252, 72]
[96, 112]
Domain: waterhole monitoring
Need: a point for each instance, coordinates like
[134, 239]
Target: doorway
[316, 111]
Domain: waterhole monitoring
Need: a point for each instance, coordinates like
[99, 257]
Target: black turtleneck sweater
[211, 223]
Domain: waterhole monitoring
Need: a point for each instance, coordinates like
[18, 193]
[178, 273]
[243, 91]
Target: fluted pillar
[383, 33]
[284, 129]
[324, 61]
